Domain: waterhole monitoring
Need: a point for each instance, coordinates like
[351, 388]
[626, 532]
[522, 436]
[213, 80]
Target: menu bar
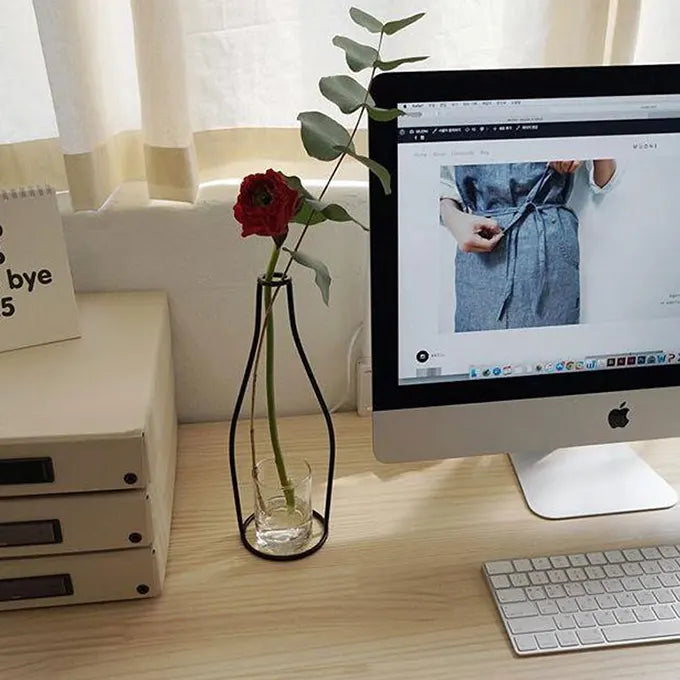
[591, 128]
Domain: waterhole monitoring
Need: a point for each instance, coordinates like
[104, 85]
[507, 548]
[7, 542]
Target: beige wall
[196, 254]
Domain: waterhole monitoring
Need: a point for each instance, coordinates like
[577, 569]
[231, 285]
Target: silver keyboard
[595, 599]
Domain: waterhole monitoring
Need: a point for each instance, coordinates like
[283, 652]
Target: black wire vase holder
[280, 283]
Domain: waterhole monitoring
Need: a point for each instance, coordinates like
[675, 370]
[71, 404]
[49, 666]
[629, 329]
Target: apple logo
[618, 417]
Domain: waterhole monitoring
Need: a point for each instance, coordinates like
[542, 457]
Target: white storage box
[90, 414]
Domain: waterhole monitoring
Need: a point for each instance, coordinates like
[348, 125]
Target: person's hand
[474, 233]
[565, 167]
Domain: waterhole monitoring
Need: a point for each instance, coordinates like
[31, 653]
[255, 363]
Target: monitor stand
[590, 480]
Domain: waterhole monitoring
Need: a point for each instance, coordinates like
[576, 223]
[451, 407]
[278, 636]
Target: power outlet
[364, 387]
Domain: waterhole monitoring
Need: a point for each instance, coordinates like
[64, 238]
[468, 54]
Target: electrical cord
[348, 375]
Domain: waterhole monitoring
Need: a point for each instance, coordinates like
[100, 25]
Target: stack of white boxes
[88, 439]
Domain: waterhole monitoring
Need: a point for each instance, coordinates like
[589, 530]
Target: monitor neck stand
[590, 480]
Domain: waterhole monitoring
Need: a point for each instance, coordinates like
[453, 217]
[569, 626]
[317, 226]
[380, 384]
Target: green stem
[271, 397]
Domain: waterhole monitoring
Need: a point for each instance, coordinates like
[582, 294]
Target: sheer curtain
[173, 92]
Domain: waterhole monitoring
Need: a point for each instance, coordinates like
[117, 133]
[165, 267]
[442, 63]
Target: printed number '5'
[7, 306]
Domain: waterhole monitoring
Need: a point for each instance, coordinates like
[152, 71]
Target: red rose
[265, 205]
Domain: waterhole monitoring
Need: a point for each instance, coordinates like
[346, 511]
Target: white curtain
[97, 92]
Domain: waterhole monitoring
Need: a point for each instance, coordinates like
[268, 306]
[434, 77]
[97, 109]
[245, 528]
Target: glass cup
[283, 513]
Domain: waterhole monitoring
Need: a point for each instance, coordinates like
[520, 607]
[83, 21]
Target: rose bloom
[265, 205]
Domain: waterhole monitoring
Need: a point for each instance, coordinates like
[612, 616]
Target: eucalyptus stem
[268, 325]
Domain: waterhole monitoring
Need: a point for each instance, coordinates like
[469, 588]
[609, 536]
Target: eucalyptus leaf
[334, 212]
[383, 115]
[322, 137]
[322, 277]
[306, 214]
[345, 92]
[391, 27]
[295, 183]
[389, 65]
[365, 20]
[358, 56]
[380, 171]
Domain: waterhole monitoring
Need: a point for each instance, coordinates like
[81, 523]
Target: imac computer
[525, 277]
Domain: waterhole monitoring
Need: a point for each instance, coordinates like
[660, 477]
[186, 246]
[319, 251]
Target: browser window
[537, 236]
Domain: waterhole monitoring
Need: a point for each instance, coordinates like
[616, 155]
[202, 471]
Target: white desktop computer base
[590, 480]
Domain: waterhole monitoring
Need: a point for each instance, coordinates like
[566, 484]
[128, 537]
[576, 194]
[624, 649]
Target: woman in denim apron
[517, 264]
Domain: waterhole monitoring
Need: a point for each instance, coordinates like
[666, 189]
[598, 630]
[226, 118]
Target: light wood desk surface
[396, 592]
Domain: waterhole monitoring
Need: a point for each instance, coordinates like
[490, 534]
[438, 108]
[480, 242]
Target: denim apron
[531, 278]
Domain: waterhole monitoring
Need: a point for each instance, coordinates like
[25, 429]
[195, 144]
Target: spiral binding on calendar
[26, 192]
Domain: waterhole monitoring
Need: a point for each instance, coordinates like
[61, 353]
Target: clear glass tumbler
[283, 513]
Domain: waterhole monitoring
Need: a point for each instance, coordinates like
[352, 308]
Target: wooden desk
[396, 593]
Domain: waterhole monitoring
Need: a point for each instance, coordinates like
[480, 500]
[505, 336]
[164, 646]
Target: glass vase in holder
[281, 526]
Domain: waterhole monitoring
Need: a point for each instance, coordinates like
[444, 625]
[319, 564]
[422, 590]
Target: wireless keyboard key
[625, 616]
[596, 558]
[668, 580]
[578, 560]
[574, 589]
[541, 563]
[596, 572]
[531, 624]
[592, 587]
[538, 578]
[508, 595]
[518, 580]
[613, 570]
[608, 602]
[525, 643]
[519, 609]
[586, 620]
[640, 631]
[644, 614]
[614, 556]
[547, 640]
[501, 581]
[663, 612]
[567, 605]
[626, 600]
[632, 569]
[650, 581]
[547, 607]
[566, 621]
[612, 585]
[556, 591]
[587, 603]
[632, 554]
[590, 636]
[536, 593]
[605, 618]
[522, 565]
[557, 576]
[644, 597]
[664, 596]
[567, 638]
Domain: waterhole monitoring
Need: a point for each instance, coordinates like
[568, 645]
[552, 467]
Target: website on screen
[538, 236]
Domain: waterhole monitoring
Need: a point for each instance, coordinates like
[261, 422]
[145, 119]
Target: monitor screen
[537, 237]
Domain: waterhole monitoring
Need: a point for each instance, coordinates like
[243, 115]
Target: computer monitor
[525, 276]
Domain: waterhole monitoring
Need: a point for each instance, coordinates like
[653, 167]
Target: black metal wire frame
[279, 281]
